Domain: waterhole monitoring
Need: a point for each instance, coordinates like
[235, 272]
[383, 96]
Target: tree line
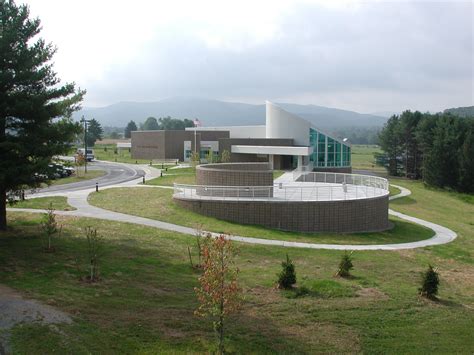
[153, 124]
[437, 148]
[359, 135]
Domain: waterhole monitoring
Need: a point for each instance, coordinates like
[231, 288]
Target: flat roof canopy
[271, 149]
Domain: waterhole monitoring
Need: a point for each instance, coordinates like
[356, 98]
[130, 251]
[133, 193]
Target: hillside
[214, 112]
[467, 111]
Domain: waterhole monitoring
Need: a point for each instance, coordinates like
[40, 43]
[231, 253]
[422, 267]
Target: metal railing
[335, 187]
[340, 178]
[302, 169]
[223, 192]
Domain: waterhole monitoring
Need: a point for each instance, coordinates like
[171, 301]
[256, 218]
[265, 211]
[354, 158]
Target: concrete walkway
[78, 199]
[15, 309]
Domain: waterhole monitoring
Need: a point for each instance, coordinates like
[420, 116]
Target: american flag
[196, 122]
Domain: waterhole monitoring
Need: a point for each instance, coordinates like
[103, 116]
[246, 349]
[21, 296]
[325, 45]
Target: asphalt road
[115, 174]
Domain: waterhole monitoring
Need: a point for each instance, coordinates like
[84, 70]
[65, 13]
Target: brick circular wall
[234, 174]
[349, 216]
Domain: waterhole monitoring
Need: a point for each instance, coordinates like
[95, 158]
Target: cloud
[362, 56]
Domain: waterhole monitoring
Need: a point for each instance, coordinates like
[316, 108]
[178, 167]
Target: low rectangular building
[161, 145]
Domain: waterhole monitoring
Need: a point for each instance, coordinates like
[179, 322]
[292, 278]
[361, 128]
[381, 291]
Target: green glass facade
[327, 151]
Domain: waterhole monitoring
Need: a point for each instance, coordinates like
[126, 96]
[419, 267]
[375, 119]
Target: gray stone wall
[367, 215]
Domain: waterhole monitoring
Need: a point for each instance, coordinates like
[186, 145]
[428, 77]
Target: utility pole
[85, 143]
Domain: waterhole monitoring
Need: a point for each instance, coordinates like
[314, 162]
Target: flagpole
[196, 124]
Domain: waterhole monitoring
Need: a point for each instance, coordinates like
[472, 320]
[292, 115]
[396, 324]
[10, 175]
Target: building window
[327, 151]
[321, 150]
[346, 155]
[204, 153]
[331, 152]
[338, 153]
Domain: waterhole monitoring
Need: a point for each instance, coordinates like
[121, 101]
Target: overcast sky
[363, 56]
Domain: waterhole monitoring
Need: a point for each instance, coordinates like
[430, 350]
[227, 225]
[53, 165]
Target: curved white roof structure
[282, 124]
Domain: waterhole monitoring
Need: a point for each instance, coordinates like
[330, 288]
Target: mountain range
[222, 113]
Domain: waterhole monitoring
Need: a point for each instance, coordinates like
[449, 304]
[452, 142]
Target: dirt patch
[409, 254]
[371, 293]
[337, 339]
[460, 281]
[15, 310]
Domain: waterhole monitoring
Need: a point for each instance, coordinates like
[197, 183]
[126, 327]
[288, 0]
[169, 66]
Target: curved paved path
[78, 199]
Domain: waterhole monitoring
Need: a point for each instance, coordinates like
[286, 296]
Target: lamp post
[83, 120]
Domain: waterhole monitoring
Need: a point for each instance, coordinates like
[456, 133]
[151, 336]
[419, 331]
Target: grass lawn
[145, 301]
[107, 152]
[78, 176]
[393, 190]
[179, 176]
[363, 158]
[57, 202]
[158, 204]
[450, 209]
[277, 173]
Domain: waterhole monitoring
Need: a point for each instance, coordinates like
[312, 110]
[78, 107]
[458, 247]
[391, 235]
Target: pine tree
[441, 163]
[131, 126]
[345, 265]
[424, 138]
[391, 143]
[466, 156]
[411, 151]
[287, 276]
[94, 132]
[35, 109]
[430, 283]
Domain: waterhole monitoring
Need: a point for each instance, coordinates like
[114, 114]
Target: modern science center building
[286, 141]
[320, 194]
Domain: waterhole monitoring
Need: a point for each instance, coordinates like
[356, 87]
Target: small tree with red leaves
[80, 161]
[219, 294]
